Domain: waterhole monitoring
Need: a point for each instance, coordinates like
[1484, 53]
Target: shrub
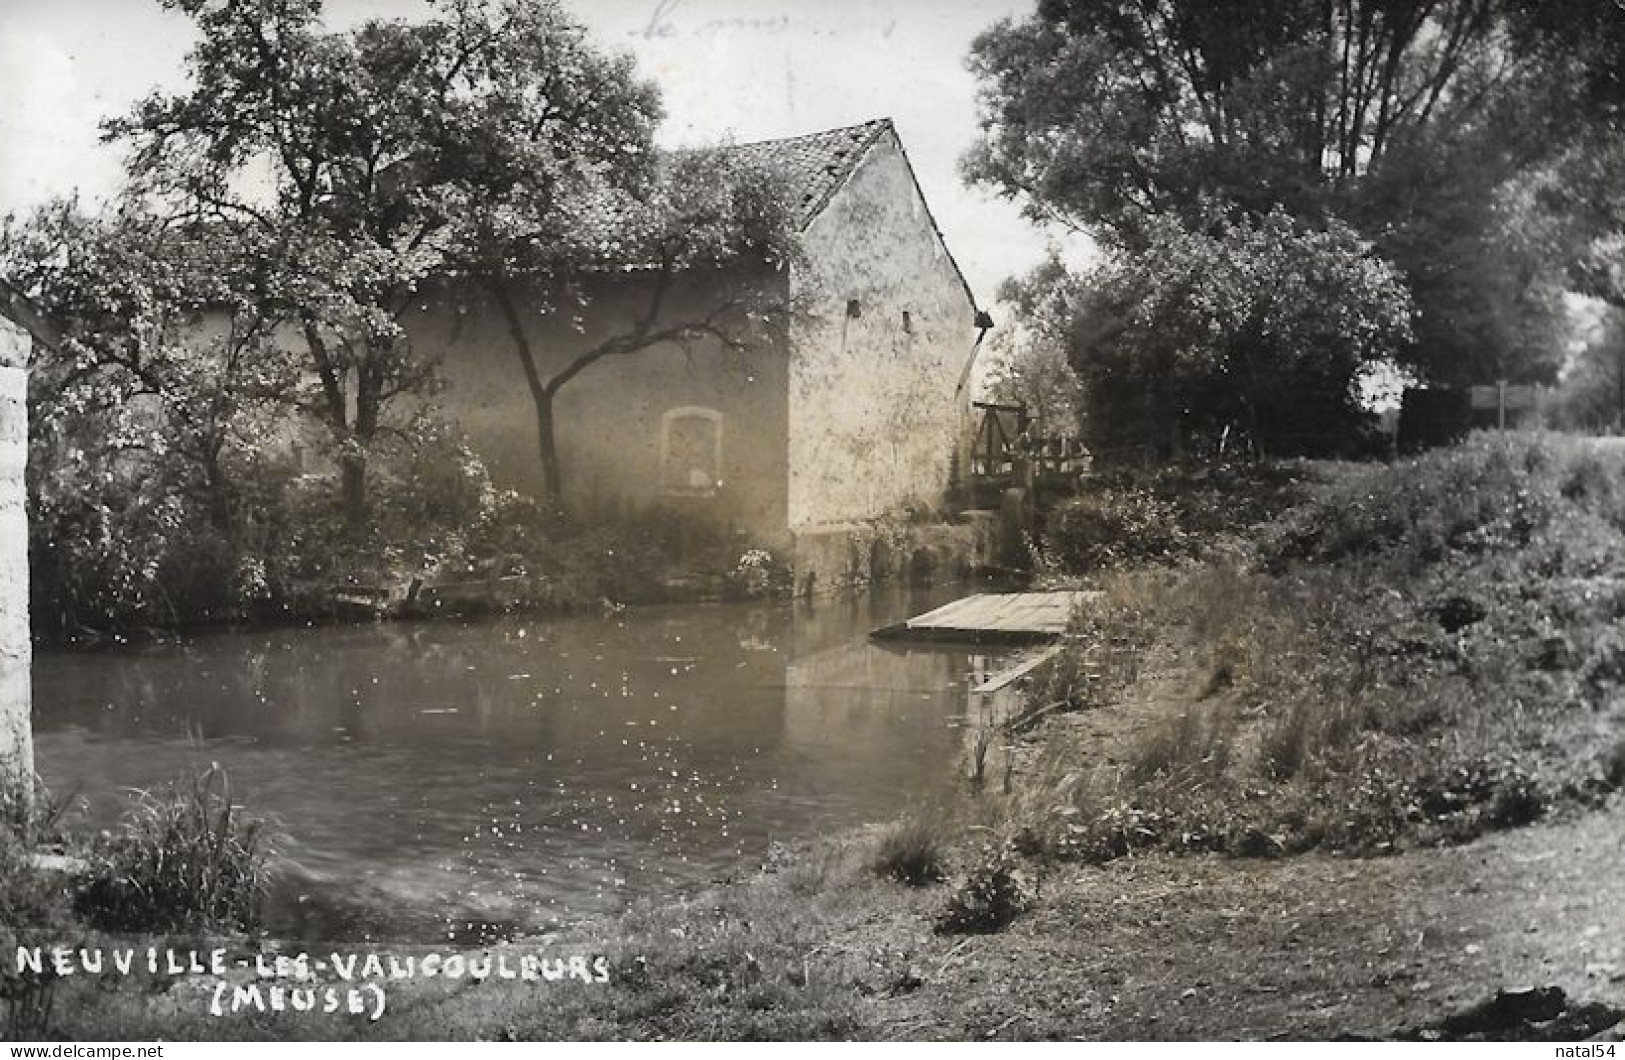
[181, 861]
[1494, 494]
[433, 480]
[1518, 801]
[122, 557]
[912, 852]
[993, 893]
[1114, 527]
[1613, 765]
[758, 574]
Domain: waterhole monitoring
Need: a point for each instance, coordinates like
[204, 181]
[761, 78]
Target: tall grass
[1418, 654]
[182, 860]
[913, 851]
[1198, 745]
[1310, 730]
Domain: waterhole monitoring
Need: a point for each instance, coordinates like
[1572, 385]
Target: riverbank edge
[824, 562]
[814, 944]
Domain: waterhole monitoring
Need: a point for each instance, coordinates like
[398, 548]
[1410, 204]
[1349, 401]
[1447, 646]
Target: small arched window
[691, 450]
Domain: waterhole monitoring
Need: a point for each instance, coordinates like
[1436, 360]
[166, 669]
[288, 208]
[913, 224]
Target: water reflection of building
[769, 700]
[853, 686]
[885, 713]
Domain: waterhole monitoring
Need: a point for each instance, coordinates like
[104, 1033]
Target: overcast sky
[750, 69]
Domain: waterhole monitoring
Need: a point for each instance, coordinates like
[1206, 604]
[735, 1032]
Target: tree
[1596, 192]
[697, 213]
[139, 418]
[491, 142]
[1584, 39]
[1028, 364]
[537, 165]
[1594, 387]
[1103, 112]
[1250, 331]
[1419, 122]
[288, 140]
[1485, 258]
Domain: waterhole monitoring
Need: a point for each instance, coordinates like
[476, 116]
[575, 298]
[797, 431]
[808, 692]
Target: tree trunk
[352, 462]
[353, 471]
[1172, 419]
[547, 447]
[541, 395]
[222, 512]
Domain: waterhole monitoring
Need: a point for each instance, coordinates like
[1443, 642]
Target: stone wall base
[838, 557]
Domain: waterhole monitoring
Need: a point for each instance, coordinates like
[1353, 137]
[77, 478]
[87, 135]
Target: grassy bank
[789, 953]
[1417, 653]
[182, 866]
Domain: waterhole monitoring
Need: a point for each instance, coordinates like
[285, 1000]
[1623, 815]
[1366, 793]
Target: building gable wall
[874, 417]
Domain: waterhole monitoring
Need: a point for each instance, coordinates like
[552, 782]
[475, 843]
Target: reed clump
[183, 859]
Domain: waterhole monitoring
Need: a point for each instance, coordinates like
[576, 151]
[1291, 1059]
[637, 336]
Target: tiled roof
[815, 164]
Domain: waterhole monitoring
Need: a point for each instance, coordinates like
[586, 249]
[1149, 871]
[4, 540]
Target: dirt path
[1307, 948]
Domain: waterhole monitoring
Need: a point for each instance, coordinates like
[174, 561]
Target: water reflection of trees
[605, 748]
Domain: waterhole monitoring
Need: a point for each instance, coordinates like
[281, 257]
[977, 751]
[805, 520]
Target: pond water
[462, 779]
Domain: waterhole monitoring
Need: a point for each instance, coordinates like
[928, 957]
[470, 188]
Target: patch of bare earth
[1312, 947]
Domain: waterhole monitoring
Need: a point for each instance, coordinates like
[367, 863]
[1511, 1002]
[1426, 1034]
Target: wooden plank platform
[993, 618]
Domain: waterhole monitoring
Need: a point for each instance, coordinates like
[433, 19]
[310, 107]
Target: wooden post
[16, 733]
[1501, 404]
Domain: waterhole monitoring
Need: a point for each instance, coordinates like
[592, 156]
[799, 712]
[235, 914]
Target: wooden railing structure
[1007, 452]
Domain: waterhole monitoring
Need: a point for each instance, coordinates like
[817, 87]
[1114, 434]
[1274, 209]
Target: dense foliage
[1250, 331]
[150, 482]
[1593, 395]
[1459, 139]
